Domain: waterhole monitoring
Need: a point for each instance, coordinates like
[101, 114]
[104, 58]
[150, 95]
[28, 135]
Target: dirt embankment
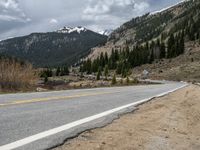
[171, 122]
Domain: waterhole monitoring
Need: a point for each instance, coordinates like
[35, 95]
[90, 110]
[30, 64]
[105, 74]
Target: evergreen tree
[119, 68]
[58, 71]
[106, 58]
[182, 43]
[65, 70]
[102, 60]
[88, 66]
[114, 81]
[99, 74]
[151, 57]
[127, 52]
[81, 69]
[162, 50]
[171, 47]
[197, 35]
[116, 55]
[124, 70]
[95, 65]
[112, 60]
[192, 32]
[49, 72]
[127, 81]
[46, 79]
[158, 43]
[106, 72]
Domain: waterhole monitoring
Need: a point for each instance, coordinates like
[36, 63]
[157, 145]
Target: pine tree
[151, 57]
[46, 79]
[182, 43]
[106, 58]
[124, 70]
[106, 72]
[102, 60]
[119, 68]
[162, 50]
[127, 52]
[146, 53]
[58, 71]
[158, 43]
[171, 47]
[89, 66]
[114, 81]
[49, 72]
[116, 55]
[192, 32]
[127, 81]
[197, 35]
[99, 74]
[112, 60]
[65, 70]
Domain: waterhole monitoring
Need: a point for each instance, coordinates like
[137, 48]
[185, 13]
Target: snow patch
[106, 32]
[70, 30]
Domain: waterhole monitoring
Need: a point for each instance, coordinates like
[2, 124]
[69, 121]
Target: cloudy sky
[21, 17]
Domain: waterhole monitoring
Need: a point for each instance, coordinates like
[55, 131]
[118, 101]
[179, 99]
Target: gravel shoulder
[170, 122]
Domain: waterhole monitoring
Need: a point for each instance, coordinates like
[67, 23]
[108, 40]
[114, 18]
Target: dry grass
[15, 75]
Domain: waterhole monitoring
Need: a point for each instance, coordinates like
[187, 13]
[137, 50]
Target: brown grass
[15, 75]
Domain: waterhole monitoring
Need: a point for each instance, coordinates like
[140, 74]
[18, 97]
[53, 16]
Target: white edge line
[50, 132]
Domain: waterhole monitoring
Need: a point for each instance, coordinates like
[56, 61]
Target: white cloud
[112, 12]
[9, 4]
[10, 11]
[53, 21]
[7, 18]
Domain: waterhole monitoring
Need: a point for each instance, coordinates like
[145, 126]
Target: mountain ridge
[148, 27]
[55, 48]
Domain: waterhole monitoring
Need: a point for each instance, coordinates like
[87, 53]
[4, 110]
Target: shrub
[15, 75]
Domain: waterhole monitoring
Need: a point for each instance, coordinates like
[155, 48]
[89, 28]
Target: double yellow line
[18, 102]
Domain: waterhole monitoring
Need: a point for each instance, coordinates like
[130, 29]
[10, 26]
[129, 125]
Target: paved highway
[37, 121]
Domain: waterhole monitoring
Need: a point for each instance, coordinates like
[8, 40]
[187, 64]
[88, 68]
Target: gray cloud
[109, 14]
[10, 11]
[20, 17]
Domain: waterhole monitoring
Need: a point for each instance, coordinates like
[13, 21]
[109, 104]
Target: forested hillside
[147, 38]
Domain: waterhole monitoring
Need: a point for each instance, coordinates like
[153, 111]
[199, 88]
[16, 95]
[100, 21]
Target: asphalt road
[35, 121]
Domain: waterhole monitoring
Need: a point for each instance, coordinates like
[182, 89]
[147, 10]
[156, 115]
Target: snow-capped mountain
[64, 46]
[70, 30]
[106, 32]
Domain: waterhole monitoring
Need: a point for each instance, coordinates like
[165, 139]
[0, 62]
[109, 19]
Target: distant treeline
[59, 71]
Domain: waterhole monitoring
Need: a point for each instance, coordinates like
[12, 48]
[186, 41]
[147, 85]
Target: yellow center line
[17, 102]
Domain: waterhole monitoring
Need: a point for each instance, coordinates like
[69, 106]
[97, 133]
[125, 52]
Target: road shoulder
[169, 122]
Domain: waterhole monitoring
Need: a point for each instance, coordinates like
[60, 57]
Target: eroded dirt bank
[171, 122]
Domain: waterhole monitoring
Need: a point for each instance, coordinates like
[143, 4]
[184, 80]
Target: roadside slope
[186, 67]
[170, 122]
